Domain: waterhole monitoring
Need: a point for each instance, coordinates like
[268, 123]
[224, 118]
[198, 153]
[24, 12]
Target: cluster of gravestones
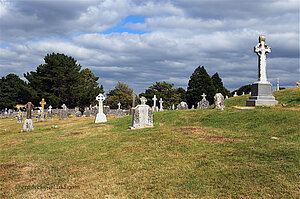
[142, 115]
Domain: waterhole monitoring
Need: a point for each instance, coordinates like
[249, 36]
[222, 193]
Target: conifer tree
[199, 83]
[217, 81]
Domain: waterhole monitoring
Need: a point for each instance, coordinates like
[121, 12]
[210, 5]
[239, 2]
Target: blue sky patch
[120, 28]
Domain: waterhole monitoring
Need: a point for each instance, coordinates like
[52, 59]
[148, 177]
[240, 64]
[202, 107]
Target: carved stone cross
[203, 95]
[64, 107]
[154, 100]
[143, 100]
[160, 104]
[100, 98]
[50, 108]
[261, 49]
[119, 105]
[43, 106]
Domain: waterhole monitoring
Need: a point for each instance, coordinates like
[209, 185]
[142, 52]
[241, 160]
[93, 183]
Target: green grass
[187, 154]
[287, 97]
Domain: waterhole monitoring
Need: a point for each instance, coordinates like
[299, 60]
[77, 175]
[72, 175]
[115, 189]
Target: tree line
[62, 81]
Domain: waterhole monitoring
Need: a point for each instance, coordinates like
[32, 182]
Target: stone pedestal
[261, 94]
[142, 117]
[28, 125]
[100, 117]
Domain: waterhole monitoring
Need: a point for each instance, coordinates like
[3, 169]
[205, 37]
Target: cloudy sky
[141, 42]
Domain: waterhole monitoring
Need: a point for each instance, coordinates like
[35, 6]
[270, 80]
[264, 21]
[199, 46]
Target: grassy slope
[289, 97]
[194, 153]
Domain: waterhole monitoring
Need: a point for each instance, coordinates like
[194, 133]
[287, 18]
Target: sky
[143, 42]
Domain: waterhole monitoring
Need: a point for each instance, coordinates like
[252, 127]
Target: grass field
[187, 154]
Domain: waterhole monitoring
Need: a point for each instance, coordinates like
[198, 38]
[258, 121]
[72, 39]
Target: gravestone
[182, 106]
[226, 97]
[160, 105]
[87, 112]
[298, 84]
[20, 116]
[173, 107]
[5, 111]
[119, 112]
[203, 103]
[235, 94]
[277, 86]
[154, 107]
[28, 123]
[39, 115]
[63, 113]
[133, 102]
[219, 101]
[262, 90]
[50, 113]
[43, 115]
[243, 93]
[77, 112]
[142, 115]
[100, 117]
[193, 107]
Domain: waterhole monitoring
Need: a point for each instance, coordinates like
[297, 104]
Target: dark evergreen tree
[165, 91]
[218, 84]
[60, 81]
[199, 83]
[14, 90]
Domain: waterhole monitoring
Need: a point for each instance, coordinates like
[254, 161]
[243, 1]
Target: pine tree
[121, 93]
[218, 84]
[199, 83]
[60, 81]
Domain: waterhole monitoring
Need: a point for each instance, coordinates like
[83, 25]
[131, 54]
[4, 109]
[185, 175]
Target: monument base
[261, 94]
[100, 117]
[28, 125]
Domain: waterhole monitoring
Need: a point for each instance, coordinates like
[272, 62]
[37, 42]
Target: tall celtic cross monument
[100, 117]
[261, 90]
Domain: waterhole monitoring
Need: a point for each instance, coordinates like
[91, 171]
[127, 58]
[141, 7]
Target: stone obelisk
[262, 90]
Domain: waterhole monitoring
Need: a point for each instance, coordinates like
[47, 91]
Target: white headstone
[119, 105]
[173, 107]
[142, 115]
[100, 117]
[235, 94]
[154, 103]
[277, 86]
[160, 104]
[243, 93]
[219, 101]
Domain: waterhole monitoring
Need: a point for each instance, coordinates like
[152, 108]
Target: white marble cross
[143, 100]
[203, 95]
[154, 100]
[100, 98]
[64, 107]
[277, 88]
[261, 49]
[50, 108]
[119, 105]
[160, 104]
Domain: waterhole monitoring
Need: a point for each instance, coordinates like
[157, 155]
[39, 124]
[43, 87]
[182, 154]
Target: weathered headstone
[77, 112]
[20, 116]
[142, 115]
[43, 115]
[28, 123]
[63, 113]
[87, 112]
[219, 101]
[235, 94]
[203, 103]
[100, 117]
[160, 105]
[133, 102]
[39, 118]
[182, 106]
[50, 113]
[262, 90]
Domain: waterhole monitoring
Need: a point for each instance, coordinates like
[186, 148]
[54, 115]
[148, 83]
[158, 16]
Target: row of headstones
[218, 101]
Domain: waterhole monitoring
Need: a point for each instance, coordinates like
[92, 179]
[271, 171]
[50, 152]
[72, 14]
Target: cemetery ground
[203, 153]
